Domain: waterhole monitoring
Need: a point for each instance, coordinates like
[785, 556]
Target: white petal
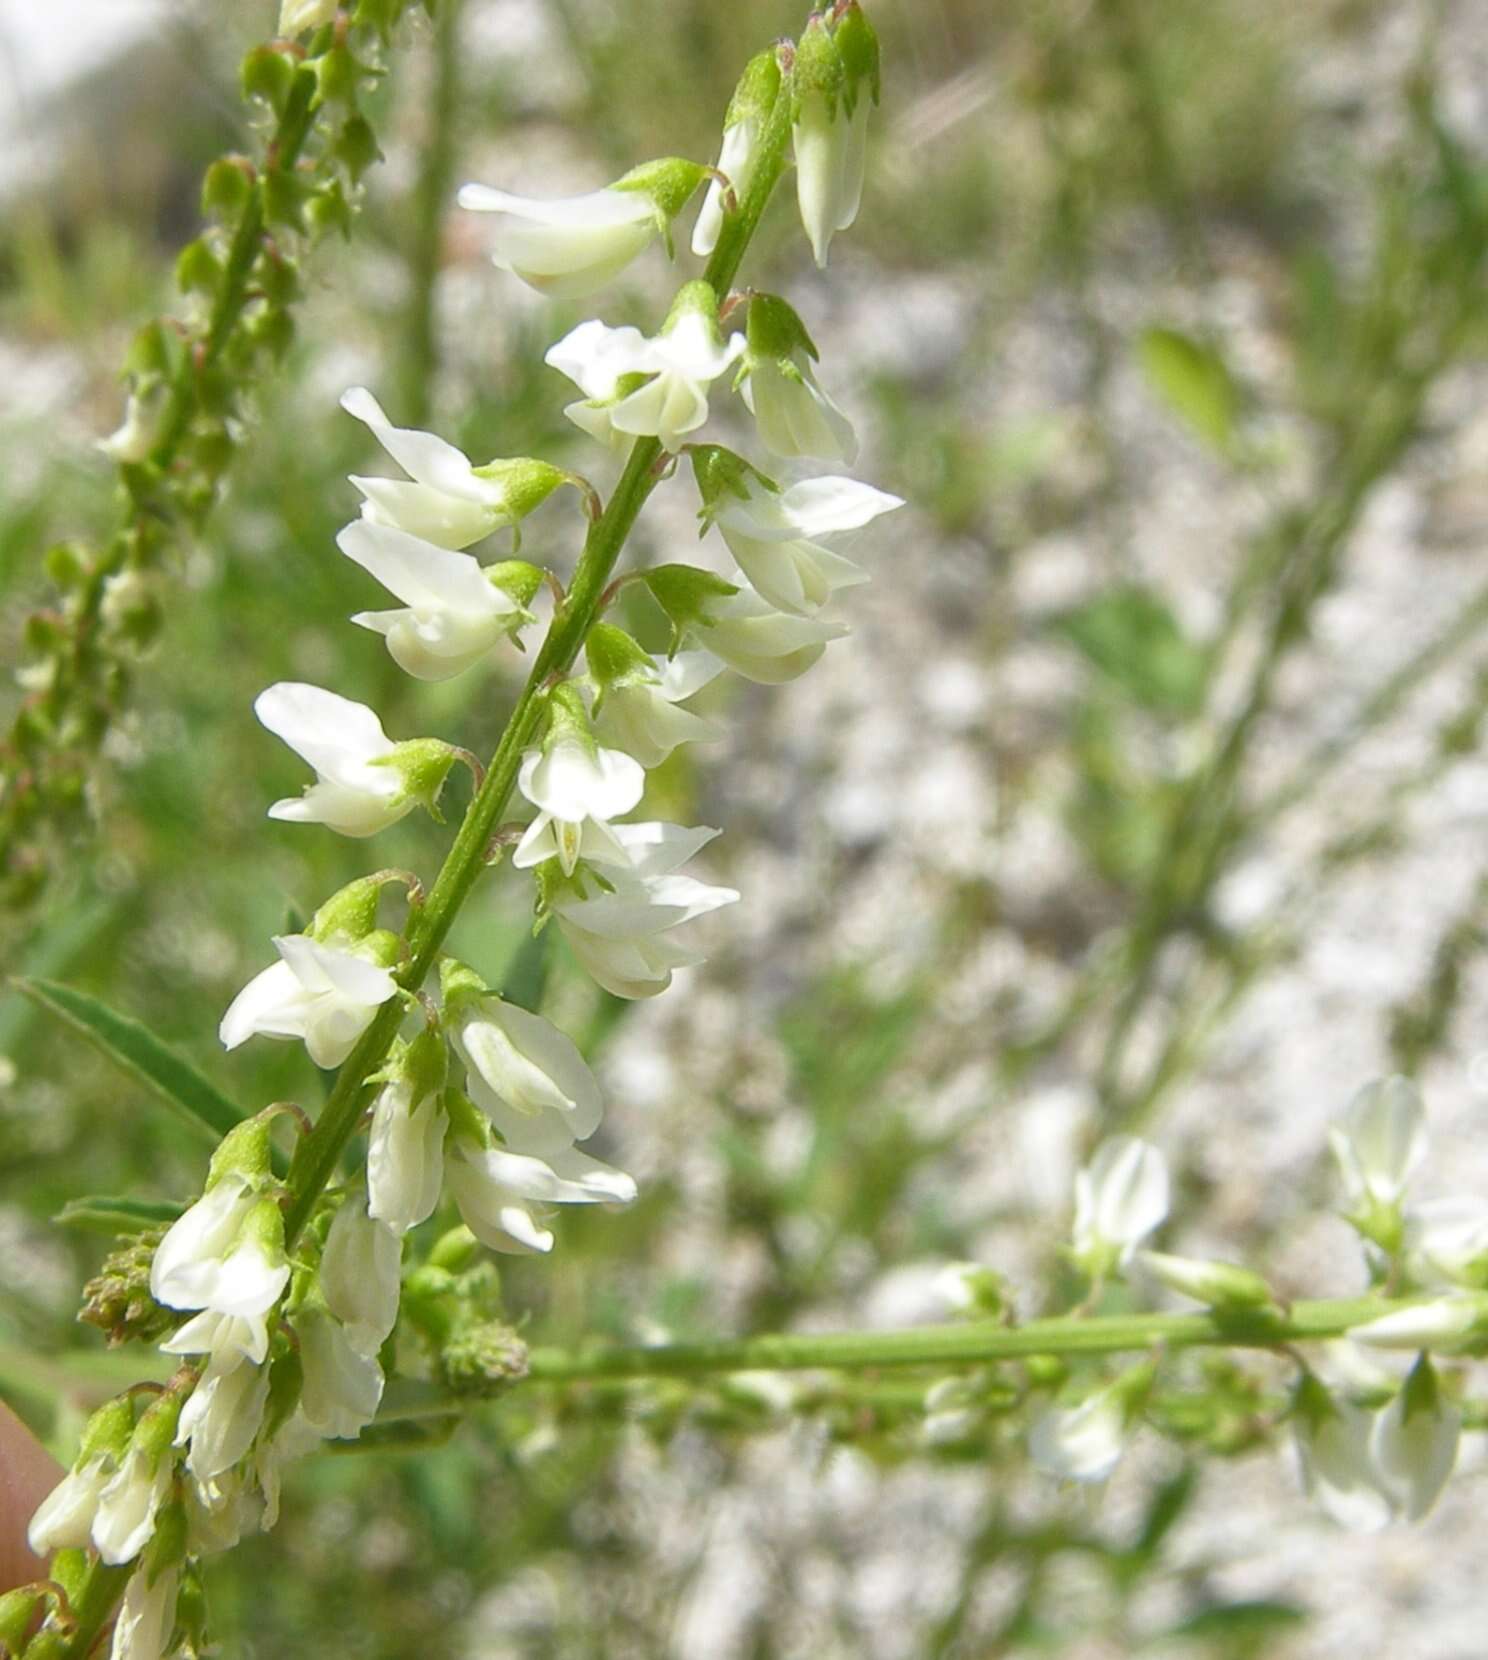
[405, 1159]
[64, 1518]
[349, 976]
[431, 515]
[360, 1275]
[824, 506]
[530, 1064]
[573, 783]
[594, 356]
[330, 732]
[426, 458]
[187, 1259]
[423, 575]
[125, 1517]
[342, 1386]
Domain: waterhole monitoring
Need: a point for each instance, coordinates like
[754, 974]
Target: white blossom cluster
[284, 1341]
[1374, 1448]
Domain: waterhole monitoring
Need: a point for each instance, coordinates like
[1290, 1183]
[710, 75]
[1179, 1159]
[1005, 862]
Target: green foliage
[1190, 376]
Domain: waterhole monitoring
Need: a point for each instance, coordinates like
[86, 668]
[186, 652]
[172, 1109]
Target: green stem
[316, 1157]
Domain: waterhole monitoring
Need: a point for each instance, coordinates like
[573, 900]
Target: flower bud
[1222, 1285]
[1454, 1324]
[1414, 1443]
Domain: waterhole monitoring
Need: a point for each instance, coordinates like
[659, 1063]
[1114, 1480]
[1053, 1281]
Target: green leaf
[141, 1054]
[1191, 378]
[113, 1213]
[1135, 640]
[1245, 1627]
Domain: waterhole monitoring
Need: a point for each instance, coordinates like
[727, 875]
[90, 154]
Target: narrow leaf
[1191, 378]
[137, 1051]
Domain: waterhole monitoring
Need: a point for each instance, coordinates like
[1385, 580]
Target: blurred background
[1147, 794]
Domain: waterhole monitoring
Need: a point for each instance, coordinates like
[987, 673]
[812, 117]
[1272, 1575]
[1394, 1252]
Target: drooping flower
[1333, 1450]
[638, 695]
[1085, 1442]
[743, 125]
[405, 1149]
[775, 536]
[759, 642]
[364, 781]
[621, 936]
[501, 1194]
[320, 993]
[454, 611]
[445, 499]
[223, 1415]
[342, 1382]
[836, 71]
[577, 786]
[525, 1075]
[1414, 1443]
[360, 1275]
[1121, 1196]
[570, 246]
[639, 386]
[132, 1497]
[64, 1518]
[147, 1614]
[792, 413]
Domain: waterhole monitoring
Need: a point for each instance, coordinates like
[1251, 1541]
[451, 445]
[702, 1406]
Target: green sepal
[349, 915]
[1420, 1391]
[774, 330]
[1222, 1285]
[383, 947]
[720, 474]
[167, 1545]
[71, 1567]
[226, 187]
[525, 483]
[684, 593]
[857, 46]
[694, 299]
[107, 1433]
[423, 764]
[337, 74]
[460, 984]
[198, 269]
[517, 579]
[466, 1121]
[1312, 1403]
[245, 1151]
[286, 1380]
[669, 181]
[759, 86]
[356, 147]
[615, 659]
[422, 1063]
[155, 1433]
[568, 719]
[818, 69]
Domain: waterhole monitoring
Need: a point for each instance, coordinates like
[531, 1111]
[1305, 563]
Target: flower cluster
[287, 1294]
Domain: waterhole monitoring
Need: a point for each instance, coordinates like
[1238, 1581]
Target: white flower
[736, 161]
[125, 1517]
[449, 501]
[1338, 1470]
[222, 1256]
[147, 1615]
[1380, 1141]
[577, 786]
[498, 1191]
[222, 1417]
[1446, 1240]
[1084, 1442]
[831, 155]
[676, 367]
[453, 613]
[759, 642]
[405, 1156]
[792, 413]
[360, 1275]
[1121, 1196]
[131, 442]
[526, 1076]
[298, 15]
[356, 791]
[568, 246]
[342, 1384]
[1414, 1444]
[620, 936]
[64, 1518]
[641, 716]
[775, 537]
[323, 995]
[1455, 1321]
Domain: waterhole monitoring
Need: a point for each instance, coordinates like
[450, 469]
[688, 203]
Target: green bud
[684, 593]
[67, 564]
[283, 199]
[273, 331]
[382, 946]
[268, 75]
[669, 182]
[243, 1151]
[49, 1645]
[107, 1433]
[336, 75]
[356, 147]
[454, 1251]
[191, 1611]
[349, 915]
[154, 351]
[329, 210]
[1222, 1285]
[19, 1612]
[279, 277]
[1046, 1371]
[459, 984]
[227, 187]
[615, 659]
[198, 270]
[423, 764]
[154, 1434]
[774, 330]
